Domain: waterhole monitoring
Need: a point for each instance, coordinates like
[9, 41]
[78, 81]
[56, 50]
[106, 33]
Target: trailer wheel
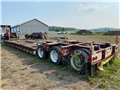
[41, 52]
[55, 56]
[79, 62]
[86, 51]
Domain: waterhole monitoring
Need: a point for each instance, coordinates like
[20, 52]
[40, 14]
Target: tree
[63, 29]
[57, 30]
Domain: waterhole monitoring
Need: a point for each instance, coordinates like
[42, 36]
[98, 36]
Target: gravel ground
[21, 72]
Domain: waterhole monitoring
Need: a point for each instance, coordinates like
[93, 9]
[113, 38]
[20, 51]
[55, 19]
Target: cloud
[106, 6]
[89, 7]
[81, 5]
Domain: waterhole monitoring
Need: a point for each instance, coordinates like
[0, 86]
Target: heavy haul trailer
[82, 56]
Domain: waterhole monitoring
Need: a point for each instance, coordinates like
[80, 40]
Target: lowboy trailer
[81, 56]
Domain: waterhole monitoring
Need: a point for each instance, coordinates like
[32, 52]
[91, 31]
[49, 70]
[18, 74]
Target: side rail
[21, 47]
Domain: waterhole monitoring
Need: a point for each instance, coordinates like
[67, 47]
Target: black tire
[83, 58]
[86, 51]
[44, 54]
[55, 50]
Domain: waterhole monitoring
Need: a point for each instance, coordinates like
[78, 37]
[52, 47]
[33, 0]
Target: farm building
[29, 27]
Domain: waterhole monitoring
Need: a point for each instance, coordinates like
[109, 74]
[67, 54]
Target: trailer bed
[29, 46]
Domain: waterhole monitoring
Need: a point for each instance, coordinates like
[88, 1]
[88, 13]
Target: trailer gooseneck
[80, 55]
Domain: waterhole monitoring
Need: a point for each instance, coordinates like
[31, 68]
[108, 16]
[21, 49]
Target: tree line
[55, 28]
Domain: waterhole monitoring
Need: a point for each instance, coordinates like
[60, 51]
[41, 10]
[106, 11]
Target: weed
[3, 83]
[35, 57]
[102, 85]
[24, 68]
[32, 72]
[91, 80]
[103, 80]
[50, 65]
[80, 78]
[5, 58]
[64, 68]
[46, 73]
[34, 85]
[13, 70]
[16, 84]
[45, 88]
[22, 73]
[5, 69]
[17, 65]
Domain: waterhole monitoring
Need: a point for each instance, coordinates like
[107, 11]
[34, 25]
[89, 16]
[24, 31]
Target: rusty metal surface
[27, 46]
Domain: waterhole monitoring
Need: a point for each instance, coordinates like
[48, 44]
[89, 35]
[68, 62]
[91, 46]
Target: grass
[102, 85]
[45, 88]
[110, 75]
[22, 73]
[48, 62]
[5, 58]
[23, 68]
[108, 38]
[14, 71]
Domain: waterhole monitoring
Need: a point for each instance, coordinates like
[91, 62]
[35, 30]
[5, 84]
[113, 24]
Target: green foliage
[53, 28]
[110, 75]
[57, 30]
[13, 70]
[64, 68]
[63, 29]
[45, 88]
[102, 85]
[35, 57]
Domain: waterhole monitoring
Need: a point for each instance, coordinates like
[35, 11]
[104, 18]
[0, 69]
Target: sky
[77, 14]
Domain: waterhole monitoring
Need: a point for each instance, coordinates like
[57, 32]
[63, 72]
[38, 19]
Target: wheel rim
[40, 52]
[54, 56]
[76, 63]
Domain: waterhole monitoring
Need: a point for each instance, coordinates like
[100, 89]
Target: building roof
[5, 26]
[30, 21]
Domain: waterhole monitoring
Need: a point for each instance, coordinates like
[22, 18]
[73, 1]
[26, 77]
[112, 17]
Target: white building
[29, 27]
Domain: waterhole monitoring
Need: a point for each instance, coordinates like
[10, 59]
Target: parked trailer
[82, 56]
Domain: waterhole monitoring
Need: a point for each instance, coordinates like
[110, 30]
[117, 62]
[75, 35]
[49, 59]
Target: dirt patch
[21, 72]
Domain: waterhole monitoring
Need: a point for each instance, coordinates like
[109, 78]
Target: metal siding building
[30, 27]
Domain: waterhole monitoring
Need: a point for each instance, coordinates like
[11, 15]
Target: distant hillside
[53, 28]
[104, 29]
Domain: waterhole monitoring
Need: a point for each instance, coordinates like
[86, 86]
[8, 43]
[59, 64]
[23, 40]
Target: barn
[29, 27]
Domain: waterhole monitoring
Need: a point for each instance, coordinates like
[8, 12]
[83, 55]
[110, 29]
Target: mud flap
[93, 69]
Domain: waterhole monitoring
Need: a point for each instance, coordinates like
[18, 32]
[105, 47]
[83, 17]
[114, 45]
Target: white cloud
[81, 5]
[89, 7]
[106, 6]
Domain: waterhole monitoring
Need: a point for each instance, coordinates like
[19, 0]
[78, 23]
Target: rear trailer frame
[64, 51]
